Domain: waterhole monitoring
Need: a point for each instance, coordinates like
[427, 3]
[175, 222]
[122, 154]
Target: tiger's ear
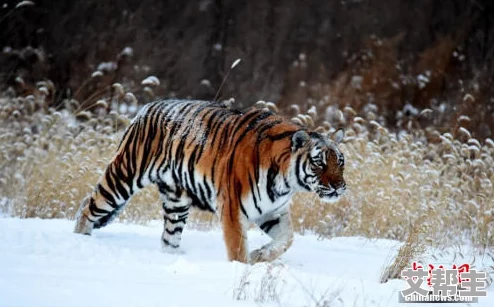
[338, 136]
[299, 139]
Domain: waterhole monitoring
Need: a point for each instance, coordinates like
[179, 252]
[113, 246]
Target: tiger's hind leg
[279, 227]
[83, 224]
[96, 212]
[176, 205]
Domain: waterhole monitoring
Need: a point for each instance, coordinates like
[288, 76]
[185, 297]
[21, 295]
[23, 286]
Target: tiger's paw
[171, 249]
[261, 255]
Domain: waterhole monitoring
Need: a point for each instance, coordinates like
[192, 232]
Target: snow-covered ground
[42, 263]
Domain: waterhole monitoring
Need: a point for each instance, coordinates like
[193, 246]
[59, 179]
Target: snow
[42, 263]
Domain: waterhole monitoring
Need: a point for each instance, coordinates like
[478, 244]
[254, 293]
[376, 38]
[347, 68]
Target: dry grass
[267, 283]
[411, 250]
[261, 289]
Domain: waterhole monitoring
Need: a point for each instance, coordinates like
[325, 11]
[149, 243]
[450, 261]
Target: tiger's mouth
[329, 194]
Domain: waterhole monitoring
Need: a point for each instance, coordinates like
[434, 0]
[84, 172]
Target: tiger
[243, 165]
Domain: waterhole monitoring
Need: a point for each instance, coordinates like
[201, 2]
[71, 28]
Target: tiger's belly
[198, 188]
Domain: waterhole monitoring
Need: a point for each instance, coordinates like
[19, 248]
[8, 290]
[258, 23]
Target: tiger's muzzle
[330, 194]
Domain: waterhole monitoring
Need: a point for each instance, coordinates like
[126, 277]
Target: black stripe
[107, 196]
[164, 188]
[175, 127]
[174, 231]
[132, 158]
[202, 197]
[94, 209]
[176, 210]
[169, 244]
[179, 153]
[286, 155]
[253, 120]
[260, 138]
[287, 184]
[122, 177]
[236, 124]
[243, 210]
[196, 202]
[225, 124]
[120, 188]
[251, 184]
[178, 191]
[297, 173]
[205, 130]
[218, 124]
[90, 219]
[267, 226]
[238, 190]
[270, 185]
[190, 169]
[150, 128]
[266, 126]
[97, 211]
[273, 193]
[226, 131]
[130, 154]
[208, 189]
[156, 155]
[109, 179]
[191, 125]
[181, 219]
[130, 129]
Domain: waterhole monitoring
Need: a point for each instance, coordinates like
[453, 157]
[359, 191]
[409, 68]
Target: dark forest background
[396, 56]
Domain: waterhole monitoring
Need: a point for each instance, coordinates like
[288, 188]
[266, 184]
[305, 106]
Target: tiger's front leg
[279, 227]
[235, 233]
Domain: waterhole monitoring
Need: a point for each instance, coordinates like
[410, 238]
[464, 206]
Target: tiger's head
[318, 164]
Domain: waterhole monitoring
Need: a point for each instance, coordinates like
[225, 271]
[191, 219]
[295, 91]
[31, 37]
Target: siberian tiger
[244, 165]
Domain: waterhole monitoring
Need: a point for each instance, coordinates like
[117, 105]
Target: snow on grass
[42, 263]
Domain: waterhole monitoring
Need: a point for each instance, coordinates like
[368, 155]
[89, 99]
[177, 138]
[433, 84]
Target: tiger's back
[205, 155]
